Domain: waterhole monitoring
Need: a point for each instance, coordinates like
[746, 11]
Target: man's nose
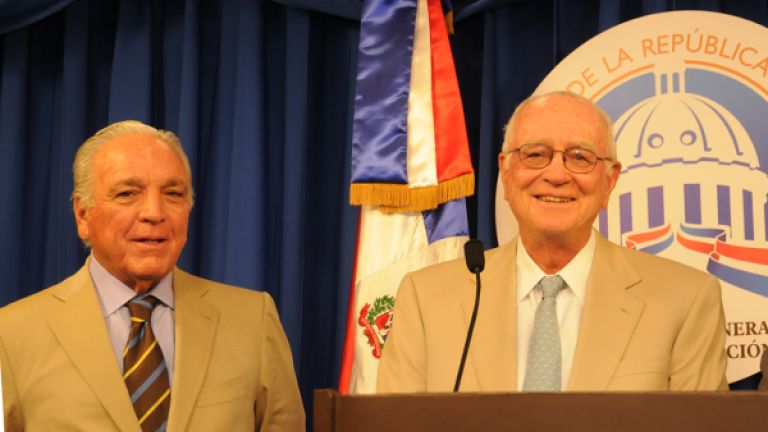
[152, 208]
[556, 172]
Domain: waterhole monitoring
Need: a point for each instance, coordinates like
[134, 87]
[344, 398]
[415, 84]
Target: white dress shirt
[113, 295]
[570, 302]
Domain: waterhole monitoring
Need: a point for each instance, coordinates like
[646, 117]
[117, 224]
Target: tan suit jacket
[763, 386]
[648, 324]
[233, 367]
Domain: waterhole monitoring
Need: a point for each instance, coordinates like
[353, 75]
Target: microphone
[474, 254]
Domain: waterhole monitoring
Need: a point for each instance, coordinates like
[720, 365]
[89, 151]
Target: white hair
[82, 167]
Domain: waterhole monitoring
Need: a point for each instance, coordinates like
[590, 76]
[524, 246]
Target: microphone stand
[456, 386]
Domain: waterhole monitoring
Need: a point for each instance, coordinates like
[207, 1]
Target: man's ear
[502, 156]
[613, 178]
[81, 218]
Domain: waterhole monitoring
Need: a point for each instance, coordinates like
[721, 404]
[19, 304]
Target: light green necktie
[544, 369]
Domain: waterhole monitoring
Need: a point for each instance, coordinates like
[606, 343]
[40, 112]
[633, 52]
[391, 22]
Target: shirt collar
[113, 294]
[575, 273]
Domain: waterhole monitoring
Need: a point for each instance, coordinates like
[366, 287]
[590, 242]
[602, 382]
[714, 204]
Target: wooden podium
[572, 412]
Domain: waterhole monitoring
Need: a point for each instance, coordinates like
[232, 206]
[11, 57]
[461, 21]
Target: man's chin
[557, 232]
[142, 283]
[149, 272]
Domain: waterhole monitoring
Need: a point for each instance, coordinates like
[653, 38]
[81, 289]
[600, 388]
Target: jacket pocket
[222, 392]
[643, 365]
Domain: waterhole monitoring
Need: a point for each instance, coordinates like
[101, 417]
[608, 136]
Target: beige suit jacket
[233, 369]
[648, 324]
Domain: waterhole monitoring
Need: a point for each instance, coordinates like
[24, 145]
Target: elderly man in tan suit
[561, 307]
[130, 342]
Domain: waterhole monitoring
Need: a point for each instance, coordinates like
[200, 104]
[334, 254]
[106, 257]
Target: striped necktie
[545, 356]
[145, 373]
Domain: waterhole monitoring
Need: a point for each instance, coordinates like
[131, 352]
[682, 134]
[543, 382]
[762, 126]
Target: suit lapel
[82, 333]
[493, 352]
[196, 322]
[609, 317]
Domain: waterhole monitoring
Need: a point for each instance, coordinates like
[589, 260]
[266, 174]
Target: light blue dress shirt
[113, 295]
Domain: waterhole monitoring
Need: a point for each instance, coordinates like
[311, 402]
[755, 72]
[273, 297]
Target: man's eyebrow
[132, 181]
[582, 144]
[536, 141]
[175, 182]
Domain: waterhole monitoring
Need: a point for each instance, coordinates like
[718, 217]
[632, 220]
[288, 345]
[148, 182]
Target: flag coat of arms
[411, 169]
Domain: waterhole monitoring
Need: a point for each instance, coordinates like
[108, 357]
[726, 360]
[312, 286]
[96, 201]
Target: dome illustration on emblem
[691, 184]
[675, 126]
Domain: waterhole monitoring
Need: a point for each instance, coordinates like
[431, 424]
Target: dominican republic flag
[411, 169]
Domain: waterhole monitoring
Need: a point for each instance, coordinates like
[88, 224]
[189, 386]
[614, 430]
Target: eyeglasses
[575, 159]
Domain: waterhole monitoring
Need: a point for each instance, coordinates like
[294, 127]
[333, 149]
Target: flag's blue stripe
[447, 220]
[379, 134]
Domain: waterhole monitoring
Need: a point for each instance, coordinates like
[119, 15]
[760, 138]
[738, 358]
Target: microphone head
[475, 255]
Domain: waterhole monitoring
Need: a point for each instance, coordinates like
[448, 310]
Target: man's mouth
[150, 241]
[554, 199]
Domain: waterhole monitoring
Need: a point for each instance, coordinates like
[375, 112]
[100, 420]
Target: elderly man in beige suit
[130, 342]
[619, 320]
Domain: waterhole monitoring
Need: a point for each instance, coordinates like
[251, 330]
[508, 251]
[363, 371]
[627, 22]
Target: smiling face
[552, 203]
[137, 223]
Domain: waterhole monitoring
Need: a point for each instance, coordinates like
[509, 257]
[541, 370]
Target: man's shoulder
[219, 293]
[459, 265]
[20, 311]
[44, 301]
[647, 262]
[660, 271]
[450, 267]
[454, 273]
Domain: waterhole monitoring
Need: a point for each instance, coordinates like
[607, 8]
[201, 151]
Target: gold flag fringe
[397, 198]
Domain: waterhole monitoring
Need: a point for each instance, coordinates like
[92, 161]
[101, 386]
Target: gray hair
[82, 167]
[603, 115]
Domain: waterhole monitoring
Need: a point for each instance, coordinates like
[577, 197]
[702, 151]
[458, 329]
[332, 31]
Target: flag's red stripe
[348, 353]
[452, 147]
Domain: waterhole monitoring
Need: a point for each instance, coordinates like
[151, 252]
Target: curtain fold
[15, 14]
[131, 81]
[350, 9]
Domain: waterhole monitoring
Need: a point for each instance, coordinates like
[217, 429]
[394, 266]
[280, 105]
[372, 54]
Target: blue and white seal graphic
[688, 94]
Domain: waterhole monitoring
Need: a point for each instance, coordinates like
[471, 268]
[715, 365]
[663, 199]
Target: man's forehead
[561, 105]
[544, 118]
[132, 143]
[127, 149]
[137, 181]
[130, 158]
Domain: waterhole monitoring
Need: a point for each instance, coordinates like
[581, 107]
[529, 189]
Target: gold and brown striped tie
[145, 373]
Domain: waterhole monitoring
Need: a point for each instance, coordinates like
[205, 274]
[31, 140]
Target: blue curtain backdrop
[260, 93]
